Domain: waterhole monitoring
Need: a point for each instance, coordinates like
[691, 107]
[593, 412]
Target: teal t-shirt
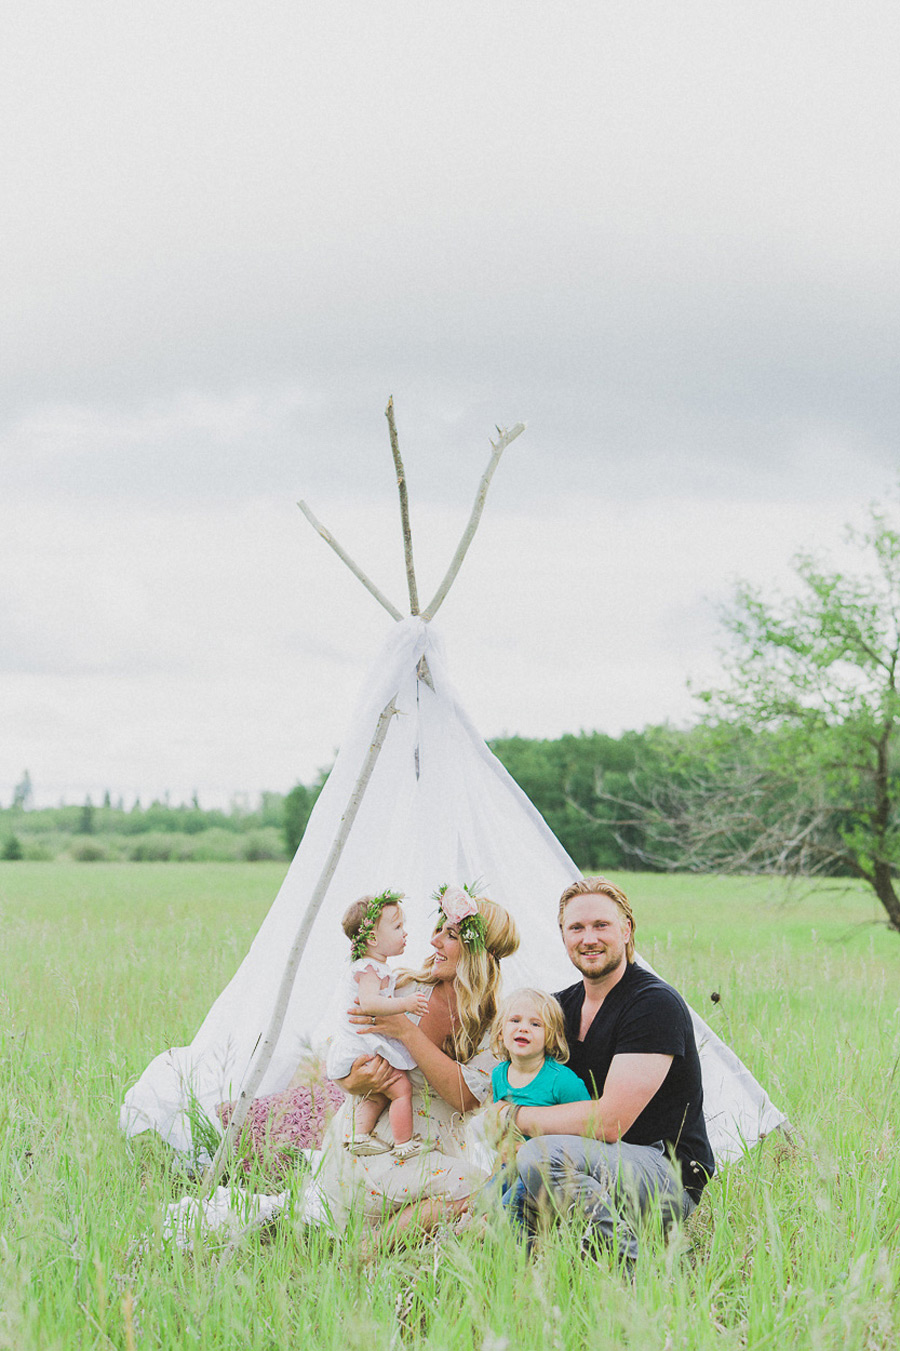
[553, 1083]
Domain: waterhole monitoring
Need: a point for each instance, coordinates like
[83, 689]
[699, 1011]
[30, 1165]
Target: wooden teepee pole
[404, 509]
[499, 446]
[345, 558]
[267, 1046]
[422, 668]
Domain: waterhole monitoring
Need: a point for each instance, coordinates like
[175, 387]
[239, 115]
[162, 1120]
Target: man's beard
[601, 965]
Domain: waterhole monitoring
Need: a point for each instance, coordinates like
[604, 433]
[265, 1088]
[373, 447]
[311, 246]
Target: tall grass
[798, 1245]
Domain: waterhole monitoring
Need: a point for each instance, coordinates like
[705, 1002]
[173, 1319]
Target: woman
[449, 1046]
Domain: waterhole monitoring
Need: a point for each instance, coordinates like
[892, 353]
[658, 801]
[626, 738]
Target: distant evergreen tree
[12, 849]
[271, 809]
[23, 793]
[298, 805]
[86, 818]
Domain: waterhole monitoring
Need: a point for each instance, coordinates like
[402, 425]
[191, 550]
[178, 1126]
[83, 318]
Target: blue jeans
[610, 1188]
[501, 1188]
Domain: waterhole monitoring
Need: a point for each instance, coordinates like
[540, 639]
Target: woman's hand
[395, 1025]
[368, 1074]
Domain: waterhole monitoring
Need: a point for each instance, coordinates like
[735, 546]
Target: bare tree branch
[345, 558]
[499, 446]
[739, 823]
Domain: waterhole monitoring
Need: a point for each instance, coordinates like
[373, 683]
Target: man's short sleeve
[653, 1024]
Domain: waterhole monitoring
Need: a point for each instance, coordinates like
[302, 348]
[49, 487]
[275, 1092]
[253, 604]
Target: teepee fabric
[438, 808]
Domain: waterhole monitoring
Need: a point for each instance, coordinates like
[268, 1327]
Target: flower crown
[369, 921]
[458, 907]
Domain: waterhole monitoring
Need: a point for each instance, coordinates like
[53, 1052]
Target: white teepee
[426, 803]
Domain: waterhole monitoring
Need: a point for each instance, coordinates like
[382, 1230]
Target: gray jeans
[611, 1188]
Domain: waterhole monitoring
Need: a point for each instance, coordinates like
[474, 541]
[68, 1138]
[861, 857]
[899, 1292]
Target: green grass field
[796, 1246]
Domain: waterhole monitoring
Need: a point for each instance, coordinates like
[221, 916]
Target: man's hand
[499, 1132]
[368, 1074]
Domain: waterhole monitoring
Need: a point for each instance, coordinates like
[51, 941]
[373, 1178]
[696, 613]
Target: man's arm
[632, 1081]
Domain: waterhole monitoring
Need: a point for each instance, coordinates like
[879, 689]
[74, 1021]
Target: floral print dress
[379, 1183]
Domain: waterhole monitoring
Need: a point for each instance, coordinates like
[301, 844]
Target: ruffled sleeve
[368, 964]
[477, 1073]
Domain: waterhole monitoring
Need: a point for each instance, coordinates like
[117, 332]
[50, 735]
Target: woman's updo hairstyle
[477, 980]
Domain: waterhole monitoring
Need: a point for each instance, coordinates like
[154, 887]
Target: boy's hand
[420, 1005]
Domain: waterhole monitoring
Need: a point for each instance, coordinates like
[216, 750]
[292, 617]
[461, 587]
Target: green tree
[799, 770]
[23, 793]
[296, 811]
[569, 780]
[12, 849]
[86, 818]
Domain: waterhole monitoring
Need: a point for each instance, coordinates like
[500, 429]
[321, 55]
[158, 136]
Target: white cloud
[665, 236]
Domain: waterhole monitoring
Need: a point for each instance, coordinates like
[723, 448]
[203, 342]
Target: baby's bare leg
[366, 1112]
[399, 1091]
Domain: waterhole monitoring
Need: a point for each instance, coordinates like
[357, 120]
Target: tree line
[792, 767]
[159, 832]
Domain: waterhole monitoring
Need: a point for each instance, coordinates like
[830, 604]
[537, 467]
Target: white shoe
[366, 1145]
[411, 1148]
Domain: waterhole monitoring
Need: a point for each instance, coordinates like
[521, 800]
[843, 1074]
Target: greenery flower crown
[459, 908]
[370, 919]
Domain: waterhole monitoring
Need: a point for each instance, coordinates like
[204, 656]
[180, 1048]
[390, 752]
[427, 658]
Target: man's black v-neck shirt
[645, 1016]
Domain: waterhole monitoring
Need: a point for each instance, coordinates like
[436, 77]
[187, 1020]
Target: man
[640, 1145]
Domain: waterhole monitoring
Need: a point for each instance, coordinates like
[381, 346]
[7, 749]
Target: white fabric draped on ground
[439, 808]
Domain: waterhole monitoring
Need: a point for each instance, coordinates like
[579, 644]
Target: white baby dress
[347, 1044]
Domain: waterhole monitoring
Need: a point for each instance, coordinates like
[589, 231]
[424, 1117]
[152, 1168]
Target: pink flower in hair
[457, 905]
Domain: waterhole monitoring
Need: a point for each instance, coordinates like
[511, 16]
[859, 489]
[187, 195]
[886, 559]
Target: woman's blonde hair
[550, 1014]
[477, 980]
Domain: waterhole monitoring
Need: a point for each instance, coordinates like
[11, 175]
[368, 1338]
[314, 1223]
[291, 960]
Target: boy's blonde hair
[551, 1015]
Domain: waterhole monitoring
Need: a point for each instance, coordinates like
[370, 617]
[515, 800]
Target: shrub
[263, 846]
[154, 848]
[89, 852]
[212, 846]
[38, 851]
[12, 849]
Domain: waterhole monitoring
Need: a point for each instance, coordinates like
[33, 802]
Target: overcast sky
[663, 235]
